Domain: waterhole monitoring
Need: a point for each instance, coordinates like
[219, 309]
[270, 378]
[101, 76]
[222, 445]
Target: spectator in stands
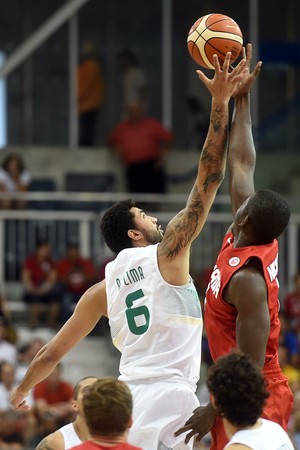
[141, 143]
[26, 353]
[5, 317]
[291, 305]
[134, 83]
[53, 402]
[295, 420]
[289, 340]
[107, 407]
[90, 93]
[8, 351]
[290, 371]
[18, 429]
[76, 274]
[14, 177]
[41, 287]
[4, 309]
[73, 433]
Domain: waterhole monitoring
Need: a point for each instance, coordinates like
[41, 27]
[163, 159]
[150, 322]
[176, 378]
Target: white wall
[280, 172]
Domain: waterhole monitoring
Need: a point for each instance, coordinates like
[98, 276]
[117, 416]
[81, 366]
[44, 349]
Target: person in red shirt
[76, 274]
[141, 143]
[53, 401]
[39, 277]
[107, 408]
[241, 305]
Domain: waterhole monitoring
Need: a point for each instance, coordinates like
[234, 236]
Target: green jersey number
[133, 313]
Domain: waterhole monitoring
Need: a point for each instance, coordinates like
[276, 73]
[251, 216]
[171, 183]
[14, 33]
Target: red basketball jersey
[220, 316]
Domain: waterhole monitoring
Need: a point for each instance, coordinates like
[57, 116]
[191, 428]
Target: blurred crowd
[50, 400]
[47, 283]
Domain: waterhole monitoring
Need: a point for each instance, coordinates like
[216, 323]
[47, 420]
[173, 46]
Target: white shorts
[159, 410]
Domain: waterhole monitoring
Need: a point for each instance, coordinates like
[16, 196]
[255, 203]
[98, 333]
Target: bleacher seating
[42, 185]
[88, 182]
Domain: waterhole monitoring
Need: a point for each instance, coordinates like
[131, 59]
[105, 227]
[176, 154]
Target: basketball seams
[218, 52]
[222, 35]
[214, 33]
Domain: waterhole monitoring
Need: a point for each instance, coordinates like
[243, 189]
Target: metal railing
[77, 216]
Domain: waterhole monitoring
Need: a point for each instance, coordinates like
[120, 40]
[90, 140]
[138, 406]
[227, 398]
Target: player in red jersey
[106, 406]
[241, 305]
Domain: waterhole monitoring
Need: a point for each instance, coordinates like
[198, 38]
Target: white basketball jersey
[156, 326]
[269, 436]
[70, 437]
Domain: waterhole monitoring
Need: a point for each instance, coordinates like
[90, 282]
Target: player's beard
[154, 236]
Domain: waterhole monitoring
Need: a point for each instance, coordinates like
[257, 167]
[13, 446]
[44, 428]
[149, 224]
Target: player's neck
[109, 440]
[231, 429]
[81, 429]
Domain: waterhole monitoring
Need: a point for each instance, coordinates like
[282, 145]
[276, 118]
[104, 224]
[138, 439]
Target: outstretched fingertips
[216, 62]
[227, 61]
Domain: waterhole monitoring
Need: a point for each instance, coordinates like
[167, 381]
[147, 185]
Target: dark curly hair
[115, 223]
[269, 215]
[11, 157]
[239, 389]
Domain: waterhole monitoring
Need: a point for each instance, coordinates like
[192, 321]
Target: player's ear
[213, 400]
[130, 423]
[135, 235]
[75, 405]
[245, 221]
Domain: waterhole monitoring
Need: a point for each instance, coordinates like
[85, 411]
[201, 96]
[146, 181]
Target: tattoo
[182, 228]
[213, 155]
[212, 178]
[44, 446]
[217, 117]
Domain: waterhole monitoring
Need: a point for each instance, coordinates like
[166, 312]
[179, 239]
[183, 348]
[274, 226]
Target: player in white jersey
[73, 433]
[239, 391]
[159, 314]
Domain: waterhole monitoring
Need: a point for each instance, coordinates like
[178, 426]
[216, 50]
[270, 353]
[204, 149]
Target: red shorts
[278, 408]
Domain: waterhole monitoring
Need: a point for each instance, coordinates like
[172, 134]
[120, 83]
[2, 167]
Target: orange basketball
[214, 34]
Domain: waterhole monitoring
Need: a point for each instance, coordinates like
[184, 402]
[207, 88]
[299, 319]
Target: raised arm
[88, 312]
[241, 154]
[187, 224]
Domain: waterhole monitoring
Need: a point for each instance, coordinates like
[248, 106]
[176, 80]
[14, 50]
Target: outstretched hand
[200, 423]
[17, 399]
[226, 79]
[244, 85]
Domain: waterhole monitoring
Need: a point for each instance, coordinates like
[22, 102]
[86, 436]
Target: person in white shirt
[14, 177]
[134, 82]
[73, 433]
[8, 351]
[238, 392]
[148, 295]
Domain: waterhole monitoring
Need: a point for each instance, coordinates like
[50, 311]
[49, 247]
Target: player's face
[83, 387]
[148, 225]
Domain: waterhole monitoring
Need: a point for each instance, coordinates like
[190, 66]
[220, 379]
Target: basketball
[214, 34]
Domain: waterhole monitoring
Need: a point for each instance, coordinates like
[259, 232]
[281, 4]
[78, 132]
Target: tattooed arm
[54, 441]
[174, 250]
